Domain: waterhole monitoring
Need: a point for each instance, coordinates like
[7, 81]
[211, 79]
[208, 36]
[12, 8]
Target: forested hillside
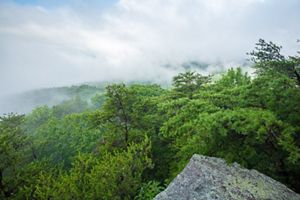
[134, 139]
[24, 102]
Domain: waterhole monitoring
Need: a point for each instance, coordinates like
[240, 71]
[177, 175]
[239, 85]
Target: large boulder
[212, 178]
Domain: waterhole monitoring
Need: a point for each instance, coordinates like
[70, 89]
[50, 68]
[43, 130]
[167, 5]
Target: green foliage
[229, 91]
[247, 131]
[13, 140]
[13, 145]
[37, 118]
[280, 95]
[61, 139]
[114, 175]
[29, 176]
[149, 190]
[233, 78]
[268, 59]
[136, 137]
[266, 51]
[98, 100]
[116, 115]
[186, 84]
[250, 122]
[127, 113]
[76, 105]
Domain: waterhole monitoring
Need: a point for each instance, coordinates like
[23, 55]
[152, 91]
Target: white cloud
[135, 39]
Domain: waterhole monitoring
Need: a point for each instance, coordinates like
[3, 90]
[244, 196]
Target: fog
[56, 43]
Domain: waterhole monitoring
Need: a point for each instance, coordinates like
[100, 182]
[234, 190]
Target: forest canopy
[132, 140]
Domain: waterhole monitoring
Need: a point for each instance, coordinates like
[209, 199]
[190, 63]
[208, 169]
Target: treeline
[25, 102]
[137, 138]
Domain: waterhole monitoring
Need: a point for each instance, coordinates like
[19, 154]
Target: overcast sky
[62, 42]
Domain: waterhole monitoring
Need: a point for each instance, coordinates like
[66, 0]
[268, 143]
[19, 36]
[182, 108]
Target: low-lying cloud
[44, 46]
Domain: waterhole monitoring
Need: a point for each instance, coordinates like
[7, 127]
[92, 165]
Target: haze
[54, 43]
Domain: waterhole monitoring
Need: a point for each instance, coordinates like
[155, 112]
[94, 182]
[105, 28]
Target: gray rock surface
[208, 178]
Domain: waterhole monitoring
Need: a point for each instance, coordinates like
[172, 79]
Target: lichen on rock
[208, 178]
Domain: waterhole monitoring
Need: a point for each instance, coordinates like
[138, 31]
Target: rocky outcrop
[208, 178]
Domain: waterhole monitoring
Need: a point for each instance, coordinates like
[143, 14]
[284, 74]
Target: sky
[63, 42]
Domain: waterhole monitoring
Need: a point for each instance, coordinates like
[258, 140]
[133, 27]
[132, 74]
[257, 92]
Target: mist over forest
[61, 43]
[65, 43]
[111, 99]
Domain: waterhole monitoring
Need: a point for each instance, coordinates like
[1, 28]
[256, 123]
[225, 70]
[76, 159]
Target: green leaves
[268, 59]
[13, 148]
[252, 122]
[61, 140]
[12, 139]
[140, 136]
[186, 84]
[266, 51]
[116, 175]
[149, 190]
[251, 137]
